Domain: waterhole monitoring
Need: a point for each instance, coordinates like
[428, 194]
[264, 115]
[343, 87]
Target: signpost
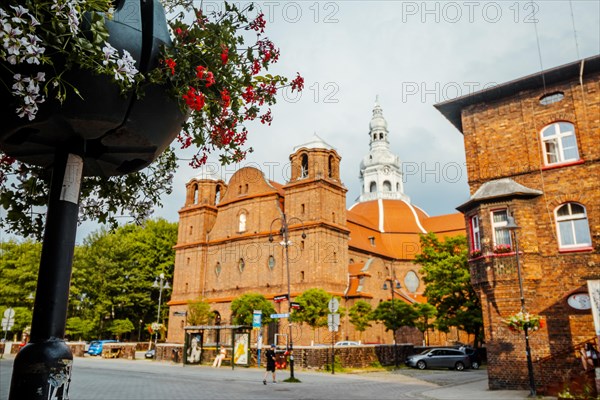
[284, 315]
[256, 324]
[333, 323]
[8, 321]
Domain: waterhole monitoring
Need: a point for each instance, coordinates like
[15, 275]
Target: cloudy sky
[413, 55]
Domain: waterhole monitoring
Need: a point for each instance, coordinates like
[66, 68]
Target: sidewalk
[477, 391]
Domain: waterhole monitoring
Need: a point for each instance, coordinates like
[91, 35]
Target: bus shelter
[236, 338]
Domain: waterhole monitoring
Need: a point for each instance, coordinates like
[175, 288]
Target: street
[97, 378]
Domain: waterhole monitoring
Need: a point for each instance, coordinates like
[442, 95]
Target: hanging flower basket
[520, 321]
[117, 85]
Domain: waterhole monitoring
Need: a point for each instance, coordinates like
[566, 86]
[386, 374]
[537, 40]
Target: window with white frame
[560, 143]
[501, 234]
[475, 234]
[573, 227]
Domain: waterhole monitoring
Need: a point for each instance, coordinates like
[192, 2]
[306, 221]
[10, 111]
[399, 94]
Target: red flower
[298, 83]
[226, 98]
[249, 95]
[266, 118]
[193, 100]
[224, 55]
[256, 67]
[259, 23]
[170, 64]
[200, 71]
[210, 79]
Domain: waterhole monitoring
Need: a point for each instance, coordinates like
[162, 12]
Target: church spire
[378, 131]
[380, 170]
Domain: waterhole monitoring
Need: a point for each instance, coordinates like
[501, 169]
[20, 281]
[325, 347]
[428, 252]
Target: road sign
[333, 322]
[7, 323]
[256, 319]
[333, 305]
[280, 298]
[9, 313]
[285, 315]
[295, 306]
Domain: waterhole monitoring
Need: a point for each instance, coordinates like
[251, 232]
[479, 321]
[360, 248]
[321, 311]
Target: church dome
[315, 142]
[392, 216]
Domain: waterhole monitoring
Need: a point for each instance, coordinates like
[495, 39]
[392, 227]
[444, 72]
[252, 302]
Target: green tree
[313, 308]
[446, 273]
[113, 273]
[120, 326]
[425, 317]
[19, 265]
[199, 313]
[79, 329]
[360, 315]
[394, 315]
[242, 309]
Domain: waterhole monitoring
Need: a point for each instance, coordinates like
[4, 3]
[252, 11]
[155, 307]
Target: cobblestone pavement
[97, 378]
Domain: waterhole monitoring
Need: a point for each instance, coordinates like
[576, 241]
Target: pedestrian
[589, 356]
[219, 358]
[270, 356]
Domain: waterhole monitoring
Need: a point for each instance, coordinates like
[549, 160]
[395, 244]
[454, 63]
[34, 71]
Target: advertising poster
[594, 289]
[240, 352]
[194, 351]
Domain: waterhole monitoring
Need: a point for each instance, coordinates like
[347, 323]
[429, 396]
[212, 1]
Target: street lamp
[160, 283]
[286, 243]
[394, 283]
[512, 227]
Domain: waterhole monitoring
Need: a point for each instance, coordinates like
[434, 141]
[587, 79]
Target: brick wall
[502, 139]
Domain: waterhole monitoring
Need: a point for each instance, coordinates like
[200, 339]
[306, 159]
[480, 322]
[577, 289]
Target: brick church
[223, 248]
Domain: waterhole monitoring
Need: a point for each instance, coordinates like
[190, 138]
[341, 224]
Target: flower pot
[115, 133]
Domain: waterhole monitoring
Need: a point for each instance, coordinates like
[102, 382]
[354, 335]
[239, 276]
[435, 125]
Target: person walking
[270, 356]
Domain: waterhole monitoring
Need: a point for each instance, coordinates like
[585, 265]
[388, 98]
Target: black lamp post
[161, 283]
[286, 244]
[512, 227]
[394, 284]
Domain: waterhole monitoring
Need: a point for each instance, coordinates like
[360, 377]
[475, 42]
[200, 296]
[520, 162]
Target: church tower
[316, 196]
[381, 170]
[196, 220]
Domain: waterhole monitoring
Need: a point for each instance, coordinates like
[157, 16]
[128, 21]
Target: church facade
[223, 248]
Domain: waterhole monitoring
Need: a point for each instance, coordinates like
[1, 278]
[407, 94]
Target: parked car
[96, 346]
[150, 353]
[474, 356]
[347, 343]
[440, 358]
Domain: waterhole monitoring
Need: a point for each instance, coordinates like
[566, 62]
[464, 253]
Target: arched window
[218, 194]
[373, 187]
[218, 268]
[560, 143]
[271, 262]
[387, 186]
[330, 167]
[195, 194]
[241, 265]
[242, 224]
[304, 166]
[573, 226]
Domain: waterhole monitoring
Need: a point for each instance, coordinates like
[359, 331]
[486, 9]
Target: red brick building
[533, 152]
[223, 248]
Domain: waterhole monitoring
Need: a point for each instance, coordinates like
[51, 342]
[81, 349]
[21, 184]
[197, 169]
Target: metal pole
[158, 313]
[42, 369]
[287, 263]
[532, 388]
[393, 308]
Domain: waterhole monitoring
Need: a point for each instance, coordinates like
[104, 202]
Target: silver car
[439, 358]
